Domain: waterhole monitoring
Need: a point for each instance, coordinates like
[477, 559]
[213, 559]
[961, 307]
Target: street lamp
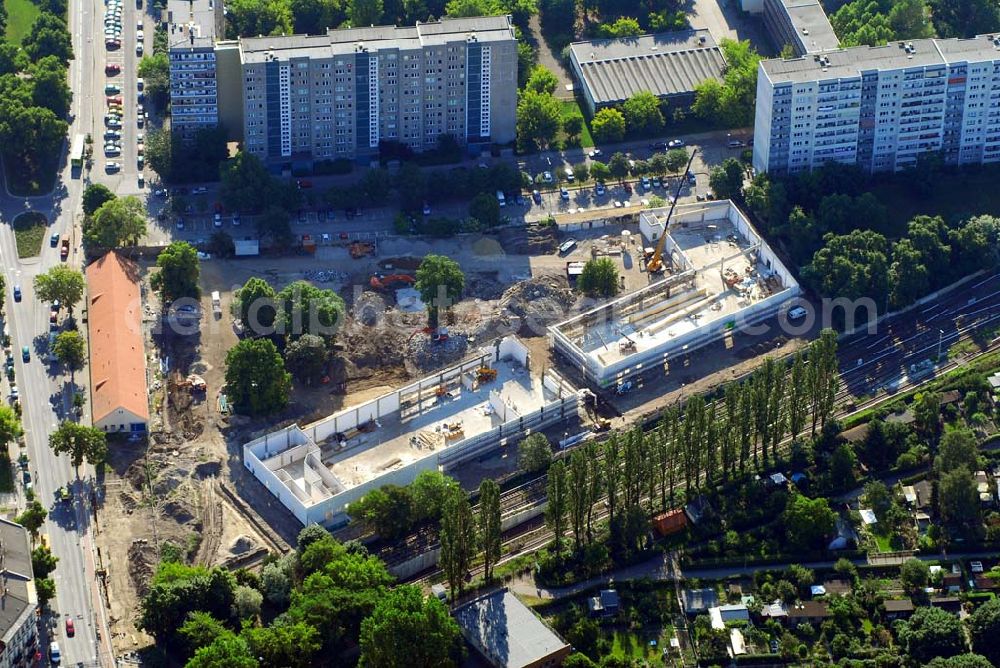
[940, 340]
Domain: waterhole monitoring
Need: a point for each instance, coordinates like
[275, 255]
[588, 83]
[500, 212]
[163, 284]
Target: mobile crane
[654, 263]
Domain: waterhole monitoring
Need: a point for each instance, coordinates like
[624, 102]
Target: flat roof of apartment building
[811, 25]
[665, 64]
[483, 29]
[187, 18]
[851, 62]
[19, 596]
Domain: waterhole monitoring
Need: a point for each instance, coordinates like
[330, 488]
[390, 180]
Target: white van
[501, 198]
[796, 313]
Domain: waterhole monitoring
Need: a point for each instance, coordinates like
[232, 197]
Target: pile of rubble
[423, 354]
[537, 303]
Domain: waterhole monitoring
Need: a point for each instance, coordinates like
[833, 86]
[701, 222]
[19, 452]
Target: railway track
[533, 534]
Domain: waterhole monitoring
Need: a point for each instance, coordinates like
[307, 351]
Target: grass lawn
[21, 14]
[955, 198]
[634, 645]
[29, 232]
[571, 108]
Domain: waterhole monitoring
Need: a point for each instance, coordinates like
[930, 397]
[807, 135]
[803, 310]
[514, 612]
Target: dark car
[628, 188]
[658, 146]
[537, 196]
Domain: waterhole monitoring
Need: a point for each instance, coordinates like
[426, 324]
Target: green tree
[932, 632]
[727, 180]
[486, 209]
[608, 126]
[965, 18]
[246, 184]
[94, 195]
[178, 274]
[599, 171]
[440, 282]
[250, 18]
[429, 492]
[623, 26]
[60, 283]
[33, 517]
[489, 525]
[676, 160]
[364, 12]
[542, 80]
[307, 309]
[305, 358]
[808, 521]
[257, 305]
[458, 540]
[118, 222]
[914, 575]
[43, 561]
[958, 447]
[642, 113]
[70, 349]
[539, 118]
[10, 426]
[557, 502]
[961, 661]
[958, 500]
[49, 36]
[226, 651]
[618, 166]
[51, 89]
[406, 629]
[200, 629]
[573, 126]
[247, 602]
[984, 629]
[851, 266]
[313, 17]
[534, 453]
[154, 68]
[927, 415]
[388, 511]
[256, 380]
[177, 590]
[599, 278]
[283, 644]
[45, 589]
[80, 442]
[908, 275]
[28, 132]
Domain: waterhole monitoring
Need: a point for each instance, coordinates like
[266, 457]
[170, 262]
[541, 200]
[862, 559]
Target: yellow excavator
[654, 263]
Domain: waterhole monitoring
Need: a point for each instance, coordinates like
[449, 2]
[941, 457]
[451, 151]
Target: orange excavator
[391, 281]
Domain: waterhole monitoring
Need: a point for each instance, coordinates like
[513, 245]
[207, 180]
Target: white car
[139, 83]
[139, 36]
[138, 24]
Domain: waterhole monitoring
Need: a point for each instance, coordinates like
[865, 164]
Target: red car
[112, 68]
[305, 183]
[70, 629]
[114, 99]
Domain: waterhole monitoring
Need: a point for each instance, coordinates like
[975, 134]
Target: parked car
[112, 167]
[537, 196]
[54, 239]
[675, 143]
[112, 135]
[567, 246]
[564, 194]
[114, 99]
[17, 293]
[599, 189]
[217, 219]
[25, 354]
[138, 49]
[112, 69]
[547, 177]
[595, 153]
[658, 146]
[70, 629]
[112, 89]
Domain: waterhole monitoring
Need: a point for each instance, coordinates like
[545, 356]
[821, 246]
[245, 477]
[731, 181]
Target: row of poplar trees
[639, 473]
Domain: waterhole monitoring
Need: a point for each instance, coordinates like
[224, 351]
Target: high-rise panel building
[192, 29]
[302, 98]
[880, 107]
[339, 95]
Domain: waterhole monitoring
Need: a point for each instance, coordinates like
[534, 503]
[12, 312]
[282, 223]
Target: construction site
[712, 273]
[490, 401]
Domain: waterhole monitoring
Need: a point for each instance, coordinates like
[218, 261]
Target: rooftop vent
[702, 39]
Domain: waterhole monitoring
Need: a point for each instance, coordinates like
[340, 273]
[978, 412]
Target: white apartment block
[338, 95]
[880, 107]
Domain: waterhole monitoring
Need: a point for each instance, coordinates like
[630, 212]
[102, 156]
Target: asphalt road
[45, 395]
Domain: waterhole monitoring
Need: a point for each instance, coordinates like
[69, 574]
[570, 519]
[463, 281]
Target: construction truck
[391, 281]
[654, 261]
[360, 249]
[485, 374]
